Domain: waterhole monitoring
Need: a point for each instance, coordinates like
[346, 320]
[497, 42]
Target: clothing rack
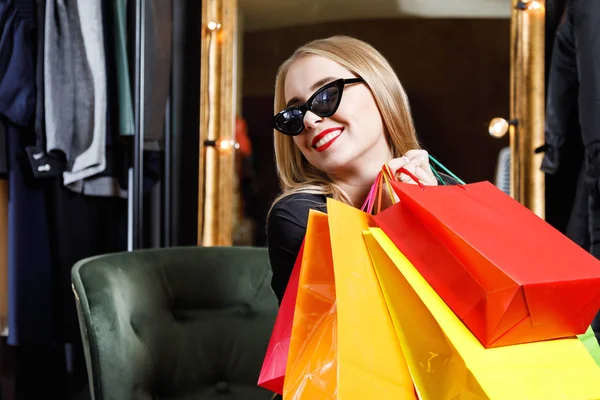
[56, 226]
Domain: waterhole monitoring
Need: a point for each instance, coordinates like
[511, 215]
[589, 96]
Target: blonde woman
[341, 114]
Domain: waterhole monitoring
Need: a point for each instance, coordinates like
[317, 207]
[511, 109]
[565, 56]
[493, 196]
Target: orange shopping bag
[312, 368]
[343, 343]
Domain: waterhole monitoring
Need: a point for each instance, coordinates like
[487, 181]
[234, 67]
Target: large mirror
[454, 58]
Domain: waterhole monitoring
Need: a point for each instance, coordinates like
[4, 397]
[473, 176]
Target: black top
[286, 228]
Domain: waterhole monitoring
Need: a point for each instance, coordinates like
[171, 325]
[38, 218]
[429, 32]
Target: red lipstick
[322, 135]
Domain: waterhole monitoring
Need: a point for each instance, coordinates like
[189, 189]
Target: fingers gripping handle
[412, 176]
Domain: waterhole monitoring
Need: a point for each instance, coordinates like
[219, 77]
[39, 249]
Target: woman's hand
[417, 163]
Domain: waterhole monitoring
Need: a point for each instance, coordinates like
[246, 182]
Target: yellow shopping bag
[371, 364]
[343, 344]
[448, 362]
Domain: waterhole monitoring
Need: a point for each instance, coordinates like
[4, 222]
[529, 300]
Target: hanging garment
[574, 86]
[81, 226]
[3, 153]
[157, 73]
[112, 182]
[42, 164]
[30, 267]
[3, 257]
[157, 63]
[75, 86]
[118, 15]
[40, 125]
[29, 263]
[17, 82]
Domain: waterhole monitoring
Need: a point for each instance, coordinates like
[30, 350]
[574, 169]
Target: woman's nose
[311, 120]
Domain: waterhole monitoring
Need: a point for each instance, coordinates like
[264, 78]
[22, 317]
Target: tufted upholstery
[176, 323]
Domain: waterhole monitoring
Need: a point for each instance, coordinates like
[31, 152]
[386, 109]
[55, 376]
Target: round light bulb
[228, 144]
[534, 5]
[212, 25]
[498, 127]
[224, 144]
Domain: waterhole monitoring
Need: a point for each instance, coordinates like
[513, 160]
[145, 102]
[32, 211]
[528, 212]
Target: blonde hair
[296, 175]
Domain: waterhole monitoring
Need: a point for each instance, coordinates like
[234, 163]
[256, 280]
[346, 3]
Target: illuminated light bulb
[228, 144]
[212, 25]
[534, 5]
[224, 144]
[498, 127]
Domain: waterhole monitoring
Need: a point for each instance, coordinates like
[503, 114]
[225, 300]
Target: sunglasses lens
[325, 103]
[290, 122]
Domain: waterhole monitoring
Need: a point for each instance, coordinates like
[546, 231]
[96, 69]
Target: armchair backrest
[176, 323]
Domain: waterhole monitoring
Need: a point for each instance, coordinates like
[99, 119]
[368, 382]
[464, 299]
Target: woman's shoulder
[288, 219]
[298, 205]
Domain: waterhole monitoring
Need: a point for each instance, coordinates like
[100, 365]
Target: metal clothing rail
[136, 234]
[135, 237]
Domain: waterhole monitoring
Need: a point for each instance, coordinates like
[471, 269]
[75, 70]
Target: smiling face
[350, 137]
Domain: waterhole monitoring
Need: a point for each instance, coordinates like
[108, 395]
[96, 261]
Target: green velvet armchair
[176, 323]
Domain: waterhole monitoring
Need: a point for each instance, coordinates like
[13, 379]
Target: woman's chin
[337, 166]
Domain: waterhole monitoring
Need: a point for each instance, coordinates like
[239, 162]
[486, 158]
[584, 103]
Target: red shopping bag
[508, 275]
[272, 373]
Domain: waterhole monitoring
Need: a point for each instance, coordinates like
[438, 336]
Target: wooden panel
[217, 123]
[527, 104]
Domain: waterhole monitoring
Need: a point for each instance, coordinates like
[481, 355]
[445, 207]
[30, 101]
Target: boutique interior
[144, 274]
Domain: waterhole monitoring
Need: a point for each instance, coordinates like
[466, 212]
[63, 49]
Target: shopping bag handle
[367, 204]
[413, 177]
[387, 175]
[436, 162]
[376, 191]
[446, 170]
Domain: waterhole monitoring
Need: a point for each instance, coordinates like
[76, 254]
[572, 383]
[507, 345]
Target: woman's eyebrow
[322, 82]
[314, 87]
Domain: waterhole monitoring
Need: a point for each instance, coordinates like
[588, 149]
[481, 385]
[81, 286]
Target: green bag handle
[591, 344]
[446, 170]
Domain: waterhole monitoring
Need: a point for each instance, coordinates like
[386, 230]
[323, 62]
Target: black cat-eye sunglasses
[324, 103]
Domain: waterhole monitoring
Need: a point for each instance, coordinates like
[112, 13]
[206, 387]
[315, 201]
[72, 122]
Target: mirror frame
[216, 172]
[218, 112]
[527, 103]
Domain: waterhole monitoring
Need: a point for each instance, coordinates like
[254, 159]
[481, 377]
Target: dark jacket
[574, 90]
